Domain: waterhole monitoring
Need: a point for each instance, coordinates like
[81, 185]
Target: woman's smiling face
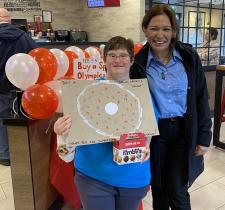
[159, 33]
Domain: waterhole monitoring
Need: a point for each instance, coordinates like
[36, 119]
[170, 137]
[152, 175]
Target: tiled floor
[6, 192]
[207, 193]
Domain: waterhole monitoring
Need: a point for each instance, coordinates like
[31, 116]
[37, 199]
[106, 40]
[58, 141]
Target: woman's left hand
[200, 150]
[147, 153]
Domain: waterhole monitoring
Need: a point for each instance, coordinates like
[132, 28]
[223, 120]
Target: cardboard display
[103, 110]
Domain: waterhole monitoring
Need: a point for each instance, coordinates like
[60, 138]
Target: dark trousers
[96, 195]
[5, 111]
[169, 167]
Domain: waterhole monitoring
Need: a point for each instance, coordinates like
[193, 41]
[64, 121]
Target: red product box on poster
[131, 148]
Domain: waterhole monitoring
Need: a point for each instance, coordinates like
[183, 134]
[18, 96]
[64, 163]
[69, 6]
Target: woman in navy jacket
[174, 70]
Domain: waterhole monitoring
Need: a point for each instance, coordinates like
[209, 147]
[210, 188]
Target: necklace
[165, 61]
[163, 75]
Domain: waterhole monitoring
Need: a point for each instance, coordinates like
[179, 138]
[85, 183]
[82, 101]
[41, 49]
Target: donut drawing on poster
[103, 110]
[107, 116]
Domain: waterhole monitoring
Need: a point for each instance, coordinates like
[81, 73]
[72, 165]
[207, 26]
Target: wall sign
[47, 16]
[22, 5]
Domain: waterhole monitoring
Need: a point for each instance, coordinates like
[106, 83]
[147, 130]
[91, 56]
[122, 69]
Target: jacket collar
[142, 56]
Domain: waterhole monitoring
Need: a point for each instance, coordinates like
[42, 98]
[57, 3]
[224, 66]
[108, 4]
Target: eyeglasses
[122, 56]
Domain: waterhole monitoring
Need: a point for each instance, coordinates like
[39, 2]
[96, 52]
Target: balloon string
[25, 114]
[16, 112]
[13, 107]
[46, 131]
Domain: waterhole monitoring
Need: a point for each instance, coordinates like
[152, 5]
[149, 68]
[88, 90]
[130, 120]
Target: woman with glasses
[178, 86]
[102, 184]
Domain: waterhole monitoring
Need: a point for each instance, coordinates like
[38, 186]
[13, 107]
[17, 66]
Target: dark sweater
[12, 41]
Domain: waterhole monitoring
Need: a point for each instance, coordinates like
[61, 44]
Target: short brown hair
[119, 42]
[162, 9]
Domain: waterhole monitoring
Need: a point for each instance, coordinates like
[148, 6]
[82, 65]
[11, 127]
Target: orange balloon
[86, 54]
[39, 101]
[71, 56]
[137, 47]
[47, 64]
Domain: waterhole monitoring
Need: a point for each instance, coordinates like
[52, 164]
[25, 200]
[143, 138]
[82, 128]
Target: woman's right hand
[62, 125]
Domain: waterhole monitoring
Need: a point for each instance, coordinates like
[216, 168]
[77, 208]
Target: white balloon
[101, 48]
[94, 52]
[77, 50]
[56, 85]
[22, 70]
[63, 62]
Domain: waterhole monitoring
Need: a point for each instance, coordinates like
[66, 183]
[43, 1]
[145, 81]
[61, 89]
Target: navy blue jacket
[12, 41]
[197, 118]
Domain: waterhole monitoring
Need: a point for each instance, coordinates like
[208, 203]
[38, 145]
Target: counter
[29, 145]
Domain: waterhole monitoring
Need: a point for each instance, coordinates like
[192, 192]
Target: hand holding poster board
[103, 110]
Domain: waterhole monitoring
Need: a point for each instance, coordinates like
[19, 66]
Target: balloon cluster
[39, 72]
